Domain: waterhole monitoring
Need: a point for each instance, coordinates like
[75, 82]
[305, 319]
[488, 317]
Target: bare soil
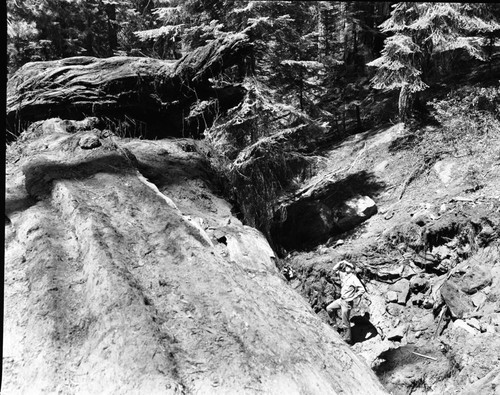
[439, 208]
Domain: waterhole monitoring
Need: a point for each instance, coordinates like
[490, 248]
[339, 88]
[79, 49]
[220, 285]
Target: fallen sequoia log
[117, 285]
[152, 95]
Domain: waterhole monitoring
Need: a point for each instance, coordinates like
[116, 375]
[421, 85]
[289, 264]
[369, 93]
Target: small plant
[474, 177]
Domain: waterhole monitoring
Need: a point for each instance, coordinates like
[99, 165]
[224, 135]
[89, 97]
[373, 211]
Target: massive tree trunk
[117, 285]
[154, 93]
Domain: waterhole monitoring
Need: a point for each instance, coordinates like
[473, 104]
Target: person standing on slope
[350, 290]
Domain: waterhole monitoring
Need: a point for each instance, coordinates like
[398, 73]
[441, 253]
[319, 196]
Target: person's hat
[347, 263]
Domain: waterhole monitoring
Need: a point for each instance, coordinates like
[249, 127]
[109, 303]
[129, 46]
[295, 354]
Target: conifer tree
[421, 30]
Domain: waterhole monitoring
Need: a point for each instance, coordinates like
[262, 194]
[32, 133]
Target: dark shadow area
[364, 136]
[416, 363]
[39, 174]
[397, 358]
[405, 142]
[363, 329]
[313, 220]
[18, 204]
[141, 116]
[337, 192]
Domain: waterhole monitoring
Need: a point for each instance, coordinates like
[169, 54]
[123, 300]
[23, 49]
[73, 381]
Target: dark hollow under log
[154, 95]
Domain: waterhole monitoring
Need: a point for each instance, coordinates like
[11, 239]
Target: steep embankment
[430, 256]
[126, 273]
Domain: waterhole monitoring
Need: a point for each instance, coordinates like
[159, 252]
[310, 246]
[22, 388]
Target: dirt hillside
[127, 273]
[430, 259]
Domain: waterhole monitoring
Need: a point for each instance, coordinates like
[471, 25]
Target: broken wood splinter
[424, 356]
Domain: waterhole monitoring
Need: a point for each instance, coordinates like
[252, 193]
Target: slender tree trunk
[343, 120]
[301, 91]
[358, 119]
[322, 31]
[405, 104]
[112, 28]
[343, 31]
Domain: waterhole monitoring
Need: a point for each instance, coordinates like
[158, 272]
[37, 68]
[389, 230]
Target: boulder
[419, 284]
[474, 279]
[457, 301]
[89, 141]
[402, 289]
[479, 298]
[391, 296]
[355, 211]
[396, 334]
[394, 309]
[422, 323]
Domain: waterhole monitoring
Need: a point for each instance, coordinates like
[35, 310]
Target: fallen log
[151, 93]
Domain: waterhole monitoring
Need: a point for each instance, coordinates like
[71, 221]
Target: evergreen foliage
[422, 32]
[312, 55]
[306, 77]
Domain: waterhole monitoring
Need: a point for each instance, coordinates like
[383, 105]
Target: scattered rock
[394, 309]
[475, 279]
[402, 288]
[423, 323]
[423, 217]
[419, 284]
[479, 298]
[457, 301]
[441, 252]
[426, 260]
[486, 235]
[396, 334]
[89, 141]
[417, 300]
[444, 266]
[495, 319]
[488, 385]
[428, 303]
[391, 296]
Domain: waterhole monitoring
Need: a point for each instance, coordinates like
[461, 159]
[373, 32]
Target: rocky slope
[127, 273]
[430, 259]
